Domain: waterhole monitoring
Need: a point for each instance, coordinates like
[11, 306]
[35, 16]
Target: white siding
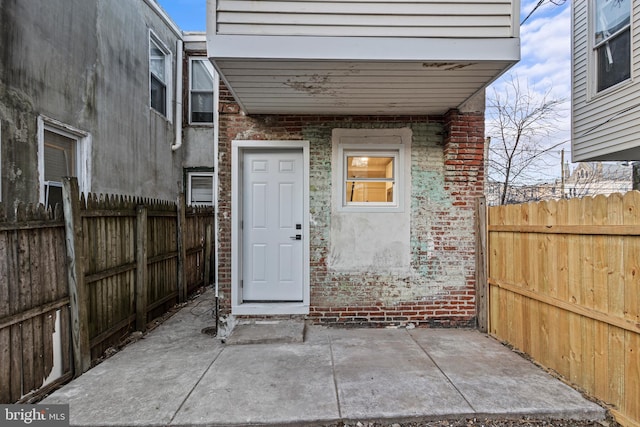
[373, 18]
[605, 126]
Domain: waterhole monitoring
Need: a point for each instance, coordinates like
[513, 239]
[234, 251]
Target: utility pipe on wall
[178, 142]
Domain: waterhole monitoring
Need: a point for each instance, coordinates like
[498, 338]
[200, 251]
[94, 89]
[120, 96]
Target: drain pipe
[216, 122]
[178, 141]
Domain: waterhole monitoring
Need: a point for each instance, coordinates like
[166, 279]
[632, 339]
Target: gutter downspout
[216, 124]
[179, 55]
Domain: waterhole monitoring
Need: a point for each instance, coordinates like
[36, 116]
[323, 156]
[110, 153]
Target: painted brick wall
[447, 176]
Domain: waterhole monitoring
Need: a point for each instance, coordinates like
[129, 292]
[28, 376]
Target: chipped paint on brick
[437, 286]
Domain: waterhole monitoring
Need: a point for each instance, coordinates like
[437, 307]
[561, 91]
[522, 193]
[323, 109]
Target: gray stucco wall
[85, 63]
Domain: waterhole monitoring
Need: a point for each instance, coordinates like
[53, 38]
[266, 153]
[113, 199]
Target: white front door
[272, 230]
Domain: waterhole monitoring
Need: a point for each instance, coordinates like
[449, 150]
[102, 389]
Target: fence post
[76, 268]
[141, 267]
[207, 254]
[182, 252]
[481, 265]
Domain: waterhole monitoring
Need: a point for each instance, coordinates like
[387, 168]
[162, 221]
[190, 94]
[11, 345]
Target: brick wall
[447, 175]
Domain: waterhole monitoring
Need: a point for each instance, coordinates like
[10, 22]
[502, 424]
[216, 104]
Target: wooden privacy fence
[564, 287]
[106, 267]
[34, 304]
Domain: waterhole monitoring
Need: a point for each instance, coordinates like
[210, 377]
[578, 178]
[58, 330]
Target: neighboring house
[605, 95]
[586, 179]
[96, 89]
[351, 141]
[521, 193]
[590, 179]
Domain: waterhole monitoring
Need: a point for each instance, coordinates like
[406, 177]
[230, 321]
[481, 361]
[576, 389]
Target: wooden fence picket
[90, 280]
[568, 272]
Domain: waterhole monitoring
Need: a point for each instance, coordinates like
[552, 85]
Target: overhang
[357, 75]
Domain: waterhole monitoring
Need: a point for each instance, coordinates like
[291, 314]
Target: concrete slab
[395, 380]
[495, 380]
[146, 383]
[265, 384]
[177, 376]
[268, 332]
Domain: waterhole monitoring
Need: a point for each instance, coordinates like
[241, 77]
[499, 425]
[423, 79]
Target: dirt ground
[480, 422]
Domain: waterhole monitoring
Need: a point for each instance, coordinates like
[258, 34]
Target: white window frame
[154, 39]
[214, 77]
[593, 52]
[190, 176]
[397, 151]
[83, 143]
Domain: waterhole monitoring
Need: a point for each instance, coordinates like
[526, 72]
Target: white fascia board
[362, 48]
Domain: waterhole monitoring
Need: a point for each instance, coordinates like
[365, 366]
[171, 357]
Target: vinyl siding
[373, 18]
[605, 124]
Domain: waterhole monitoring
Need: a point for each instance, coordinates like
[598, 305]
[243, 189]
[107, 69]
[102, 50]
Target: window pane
[53, 196]
[611, 16]
[369, 192]
[614, 60]
[369, 167]
[202, 107]
[158, 95]
[157, 67]
[156, 60]
[202, 190]
[59, 159]
[201, 78]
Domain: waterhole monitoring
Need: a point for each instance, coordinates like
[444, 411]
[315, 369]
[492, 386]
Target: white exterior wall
[605, 126]
[427, 18]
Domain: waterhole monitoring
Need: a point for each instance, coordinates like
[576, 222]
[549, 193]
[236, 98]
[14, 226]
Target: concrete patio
[179, 376]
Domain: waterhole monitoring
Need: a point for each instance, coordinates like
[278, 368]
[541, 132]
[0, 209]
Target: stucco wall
[446, 177]
[85, 64]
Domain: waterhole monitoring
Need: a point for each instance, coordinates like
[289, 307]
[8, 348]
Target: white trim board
[237, 306]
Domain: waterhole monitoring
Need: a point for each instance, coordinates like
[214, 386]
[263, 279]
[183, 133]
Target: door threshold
[266, 308]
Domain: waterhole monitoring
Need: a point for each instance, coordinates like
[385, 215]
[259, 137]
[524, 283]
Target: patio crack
[424, 350]
[204, 372]
[335, 380]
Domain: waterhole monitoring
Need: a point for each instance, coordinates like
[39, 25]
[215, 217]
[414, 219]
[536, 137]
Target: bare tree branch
[519, 121]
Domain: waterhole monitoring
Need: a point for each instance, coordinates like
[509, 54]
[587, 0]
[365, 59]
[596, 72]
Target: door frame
[238, 307]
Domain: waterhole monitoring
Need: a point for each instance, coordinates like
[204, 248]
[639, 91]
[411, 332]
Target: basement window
[200, 188]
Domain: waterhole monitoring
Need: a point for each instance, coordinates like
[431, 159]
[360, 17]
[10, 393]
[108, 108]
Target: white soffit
[357, 75]
[355, 87]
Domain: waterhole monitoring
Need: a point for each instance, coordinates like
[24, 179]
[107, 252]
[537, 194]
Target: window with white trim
[62, 151]
[201, 87]
[612, 42]
[200, 188]
[371, 176]
[159, 76]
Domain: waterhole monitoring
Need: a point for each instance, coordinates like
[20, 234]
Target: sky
[189, 15]
[544, 66]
